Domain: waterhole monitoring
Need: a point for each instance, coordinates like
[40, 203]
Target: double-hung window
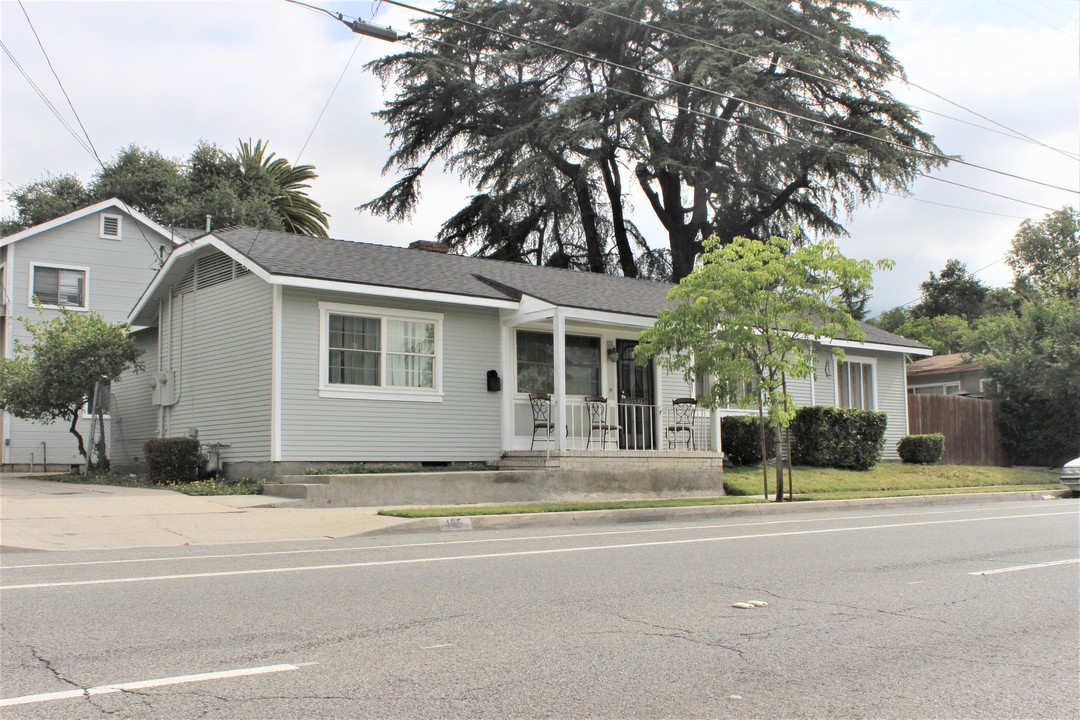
[380, 352]
[58, 286]
[856, 385]
[536, 363]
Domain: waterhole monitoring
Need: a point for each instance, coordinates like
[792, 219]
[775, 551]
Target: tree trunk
[78, 437]
[764, 451]
[613, 185]
[779, 465]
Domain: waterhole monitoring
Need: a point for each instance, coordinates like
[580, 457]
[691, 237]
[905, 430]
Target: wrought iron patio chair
[683, 415]
[598, 420]
[541, 412]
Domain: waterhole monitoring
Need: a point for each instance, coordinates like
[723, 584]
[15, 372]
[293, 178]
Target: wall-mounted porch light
[612, 352]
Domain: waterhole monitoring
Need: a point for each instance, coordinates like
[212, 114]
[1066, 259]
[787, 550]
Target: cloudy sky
[165, 75]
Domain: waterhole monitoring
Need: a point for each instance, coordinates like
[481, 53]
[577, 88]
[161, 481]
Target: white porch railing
[629, 426]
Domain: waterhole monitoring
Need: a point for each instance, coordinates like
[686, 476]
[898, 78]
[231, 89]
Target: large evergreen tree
[731, 118]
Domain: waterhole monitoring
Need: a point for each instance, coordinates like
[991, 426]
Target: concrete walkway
[39, 514]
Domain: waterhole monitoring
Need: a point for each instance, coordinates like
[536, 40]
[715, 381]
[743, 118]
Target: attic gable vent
[111, 226]
[213, 270]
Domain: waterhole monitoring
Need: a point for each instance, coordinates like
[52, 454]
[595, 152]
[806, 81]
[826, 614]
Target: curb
[581, 518]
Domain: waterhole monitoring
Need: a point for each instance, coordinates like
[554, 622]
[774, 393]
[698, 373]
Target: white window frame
[372, 392]
[943, 385]
[119, 226]
[848, 359]
[51, 266]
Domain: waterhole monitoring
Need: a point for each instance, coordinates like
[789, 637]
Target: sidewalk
[37, 514]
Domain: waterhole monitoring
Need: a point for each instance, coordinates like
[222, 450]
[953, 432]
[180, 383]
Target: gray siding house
[288, 351]
[99, 258]
[955, 374]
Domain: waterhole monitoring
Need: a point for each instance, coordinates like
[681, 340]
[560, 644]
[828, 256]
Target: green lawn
[744, 485]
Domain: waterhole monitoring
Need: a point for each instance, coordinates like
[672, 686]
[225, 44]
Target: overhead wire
[905, 80]
[58, 82]
[794, 70]
[728, 96]
[48, 103]
[93, 151]
[730, 122]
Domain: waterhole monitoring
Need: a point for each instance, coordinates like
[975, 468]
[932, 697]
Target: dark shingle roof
[286, 254]
[282, 253]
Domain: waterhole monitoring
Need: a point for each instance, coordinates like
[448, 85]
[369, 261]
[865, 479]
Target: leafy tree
[1045, 256]
[731, 120]
[144, 179]
[251, 187]
[1034, 360]
[42, 200]
[891, 320]
[954, 292]
[54, 377]
[946, 334]
[748, 310]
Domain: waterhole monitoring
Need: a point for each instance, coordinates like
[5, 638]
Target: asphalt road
[951, 611]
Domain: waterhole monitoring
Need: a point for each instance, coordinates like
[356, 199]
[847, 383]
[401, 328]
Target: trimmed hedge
[741, 441]
[838, 438]
[921, 449]
[172, 459]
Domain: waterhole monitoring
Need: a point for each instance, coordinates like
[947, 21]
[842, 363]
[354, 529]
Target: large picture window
[57, 286]
[375, 349]
[856, 385]
[536, 363]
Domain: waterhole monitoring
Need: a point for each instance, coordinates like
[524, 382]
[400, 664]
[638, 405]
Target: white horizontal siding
[464, 426]
[134, 418]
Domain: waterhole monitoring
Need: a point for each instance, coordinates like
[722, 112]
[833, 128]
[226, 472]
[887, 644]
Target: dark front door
[636, 399]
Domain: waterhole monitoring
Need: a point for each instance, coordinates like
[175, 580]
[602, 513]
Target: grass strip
[518, 508]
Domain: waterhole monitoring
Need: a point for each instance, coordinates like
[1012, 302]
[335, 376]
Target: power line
[48, 103]
[331, 97]
[58, 82]
[729, 121]
[794, 70]
[728, 96]
[912, 84]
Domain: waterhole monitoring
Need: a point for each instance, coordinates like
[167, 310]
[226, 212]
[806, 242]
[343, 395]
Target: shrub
[837, 438]
[172, 459]
[741, 441]
[921, 449]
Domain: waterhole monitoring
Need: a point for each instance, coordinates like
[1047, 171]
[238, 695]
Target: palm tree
[287, 185]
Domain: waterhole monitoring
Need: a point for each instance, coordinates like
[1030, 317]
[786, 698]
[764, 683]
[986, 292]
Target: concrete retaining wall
[501, 486]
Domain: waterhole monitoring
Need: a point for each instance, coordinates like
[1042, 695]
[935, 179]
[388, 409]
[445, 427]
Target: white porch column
[509, 384]
[717, 440]
[559, 345]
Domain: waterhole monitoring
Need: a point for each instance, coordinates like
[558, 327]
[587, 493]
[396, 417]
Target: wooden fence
[968, 424]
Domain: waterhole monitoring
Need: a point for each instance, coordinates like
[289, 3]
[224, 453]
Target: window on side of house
[942, 389]
[536, 363]
[380, 350]
[58, 286]
[856, 385]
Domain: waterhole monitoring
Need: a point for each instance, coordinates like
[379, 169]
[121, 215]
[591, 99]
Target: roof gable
[112, 203]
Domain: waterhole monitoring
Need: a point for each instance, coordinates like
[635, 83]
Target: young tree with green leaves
[751, 310]
[731, 119]
[54, 377]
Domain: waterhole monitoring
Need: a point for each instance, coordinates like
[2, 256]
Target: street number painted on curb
[455, 523]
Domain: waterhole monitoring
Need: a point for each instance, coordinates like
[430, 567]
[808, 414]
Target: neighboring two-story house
[98, 258]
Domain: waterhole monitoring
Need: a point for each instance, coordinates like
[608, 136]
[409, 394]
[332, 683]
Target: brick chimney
[429, 246]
